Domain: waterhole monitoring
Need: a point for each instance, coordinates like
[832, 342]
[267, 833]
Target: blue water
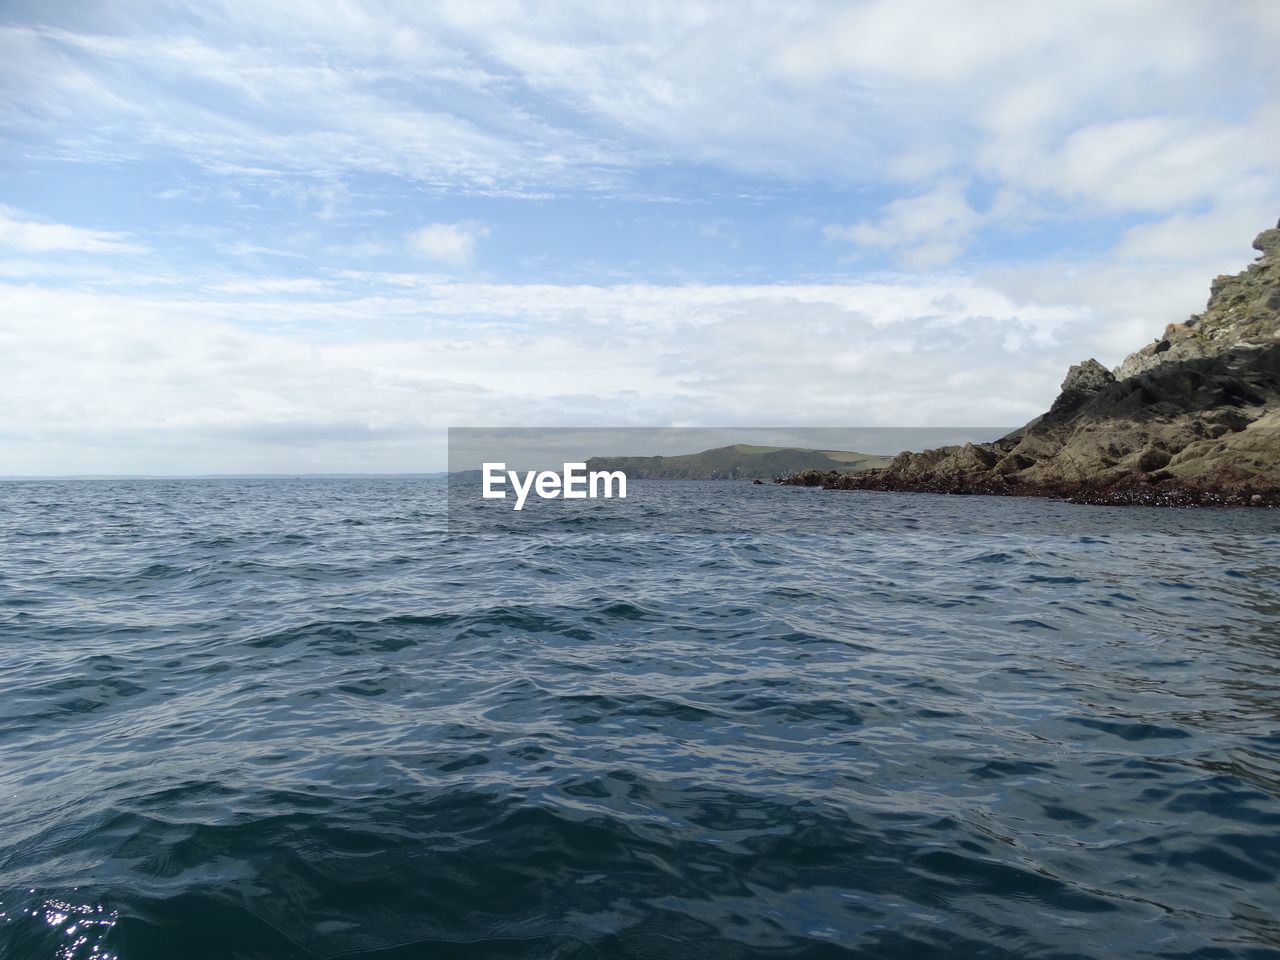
[286, 719]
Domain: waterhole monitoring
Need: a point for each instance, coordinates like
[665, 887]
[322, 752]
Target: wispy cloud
[271, 285]
[316, 185]
[578, 98]
[450, 243]
[928, 230]
[25, 235]
[389, 358]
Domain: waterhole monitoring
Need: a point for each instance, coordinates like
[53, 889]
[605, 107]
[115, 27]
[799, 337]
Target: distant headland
[1190, 419]
[741, 461]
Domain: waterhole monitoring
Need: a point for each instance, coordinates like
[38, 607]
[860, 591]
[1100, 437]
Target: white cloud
[919, 40]
[262, 106]
[1145, 105]
[271, 285]
[31, 236]
[451, 243]
[360, 378]
[1157, 117]
[929, 230]
[359, 370]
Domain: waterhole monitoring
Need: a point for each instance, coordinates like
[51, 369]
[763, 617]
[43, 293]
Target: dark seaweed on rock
[1191, 419]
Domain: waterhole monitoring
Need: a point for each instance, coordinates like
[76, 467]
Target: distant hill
[739, 462]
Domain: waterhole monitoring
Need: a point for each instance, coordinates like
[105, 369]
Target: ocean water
[297, 719]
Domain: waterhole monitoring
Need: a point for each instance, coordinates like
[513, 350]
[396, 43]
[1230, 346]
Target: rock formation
[1193, 418]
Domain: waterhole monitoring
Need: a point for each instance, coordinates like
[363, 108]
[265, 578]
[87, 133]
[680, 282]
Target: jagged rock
[1088, 377]
[1241, 312]
[1192, 418]
[1268, 242]
[1082, 381]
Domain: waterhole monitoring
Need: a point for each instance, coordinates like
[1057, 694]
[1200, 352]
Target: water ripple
[297, 719]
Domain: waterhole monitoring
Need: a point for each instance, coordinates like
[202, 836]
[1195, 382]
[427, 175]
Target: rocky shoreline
[1192, 419]
[1120, 495]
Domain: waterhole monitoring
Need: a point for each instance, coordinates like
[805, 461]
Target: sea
[314, 719]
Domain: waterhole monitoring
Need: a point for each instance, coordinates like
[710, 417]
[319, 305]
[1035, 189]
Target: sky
[239, 236]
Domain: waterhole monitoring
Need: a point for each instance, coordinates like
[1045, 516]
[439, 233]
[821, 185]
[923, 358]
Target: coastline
[1134, 494]
[1191, 419]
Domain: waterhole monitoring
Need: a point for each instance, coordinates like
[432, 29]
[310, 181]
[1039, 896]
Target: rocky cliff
[1192, 418]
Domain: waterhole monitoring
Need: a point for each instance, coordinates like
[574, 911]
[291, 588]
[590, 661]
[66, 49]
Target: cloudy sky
[245, 236]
